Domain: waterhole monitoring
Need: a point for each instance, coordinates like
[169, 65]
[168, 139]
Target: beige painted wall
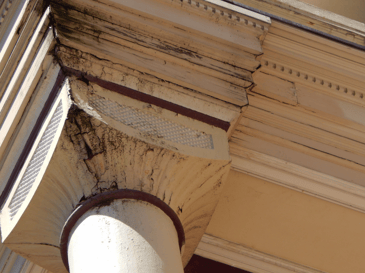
[291, 225]
[354, 9]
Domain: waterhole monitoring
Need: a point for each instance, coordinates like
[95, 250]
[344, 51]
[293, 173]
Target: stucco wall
[353, 9]
[290, 225]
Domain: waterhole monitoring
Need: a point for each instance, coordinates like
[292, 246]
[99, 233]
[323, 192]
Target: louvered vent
[36, 162]
[151, 125]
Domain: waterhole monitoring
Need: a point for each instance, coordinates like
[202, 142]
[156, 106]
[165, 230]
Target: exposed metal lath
[36, 162]
[152, 125]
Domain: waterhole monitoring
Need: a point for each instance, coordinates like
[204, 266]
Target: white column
[125, 235]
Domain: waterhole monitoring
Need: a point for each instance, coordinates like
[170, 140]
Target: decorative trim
[298, 178]
[246, 258]
[24, 43]
[301, 124]
[104, 199]
[18, 74]
[12, 15]
[314, 80]
[16, 96]
[231, 12]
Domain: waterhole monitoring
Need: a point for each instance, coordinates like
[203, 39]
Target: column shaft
[125, 235]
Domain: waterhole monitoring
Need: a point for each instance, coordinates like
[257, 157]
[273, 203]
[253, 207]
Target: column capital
[103, 142]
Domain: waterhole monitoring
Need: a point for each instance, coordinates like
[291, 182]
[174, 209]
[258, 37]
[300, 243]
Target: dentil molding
[332, 88]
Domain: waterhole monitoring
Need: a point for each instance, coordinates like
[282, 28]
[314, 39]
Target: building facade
[135, 134]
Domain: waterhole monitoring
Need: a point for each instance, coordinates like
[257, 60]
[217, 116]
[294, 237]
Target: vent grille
[36, 162]
[152, 125]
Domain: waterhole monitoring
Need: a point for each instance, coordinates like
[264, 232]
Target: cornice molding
[243, 257]
[18, 93]
[27, 39]
[219, 69]
[298, 178]
[231, 12]
[117, 74]
[333, 135]
[190, 17]
[329, 87]
[310, 18]
[26, 64]
[293, 144]
[13, 20]
[340, 126]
